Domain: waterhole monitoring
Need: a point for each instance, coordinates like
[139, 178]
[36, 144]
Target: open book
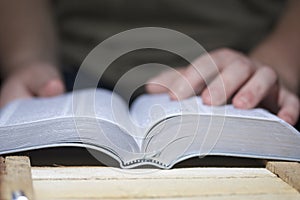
[154, 131]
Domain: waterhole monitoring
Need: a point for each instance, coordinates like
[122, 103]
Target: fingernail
[216, 99]
[287, 118]
[172, 96]
[206, 99]
[242, 102]
[175, 92]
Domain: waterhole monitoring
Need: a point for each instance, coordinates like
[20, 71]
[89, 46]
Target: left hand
[34, 80]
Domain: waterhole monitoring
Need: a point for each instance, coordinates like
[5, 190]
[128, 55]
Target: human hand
[37, 79]
[245, 81]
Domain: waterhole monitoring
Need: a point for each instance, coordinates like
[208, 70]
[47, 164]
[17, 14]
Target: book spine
[144, 161]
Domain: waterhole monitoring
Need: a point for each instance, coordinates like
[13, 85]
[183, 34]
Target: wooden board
[15, 176]
[187, 183]
[211, 183]
[287, 171]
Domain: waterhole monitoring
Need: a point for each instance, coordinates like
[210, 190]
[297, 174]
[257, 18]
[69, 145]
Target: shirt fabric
[237, 24]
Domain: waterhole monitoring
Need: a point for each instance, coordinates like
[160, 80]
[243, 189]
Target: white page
[102, 104]
[106, 106]
[36, 109]
[69, 118]
[148, 109]
[249, 133]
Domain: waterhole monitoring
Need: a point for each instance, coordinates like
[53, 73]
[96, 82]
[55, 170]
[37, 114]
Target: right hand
[246, 81]
[35, 80]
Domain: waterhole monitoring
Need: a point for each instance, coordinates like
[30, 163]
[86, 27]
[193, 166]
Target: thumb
[44, 80]
[52, 87]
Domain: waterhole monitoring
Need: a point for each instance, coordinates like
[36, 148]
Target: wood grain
[182, 183]
[15, 176]
[186, 183]
[287, 171]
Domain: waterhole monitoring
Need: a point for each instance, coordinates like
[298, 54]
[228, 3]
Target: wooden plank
[15, 177]
[2, 174]
[287, 171]
[159, 188]
[193, 183]
[105, 173]
[218, 197]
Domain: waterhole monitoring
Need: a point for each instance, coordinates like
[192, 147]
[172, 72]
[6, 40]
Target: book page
[26, 111]
[177, 138]
[93, 117]
[100, 103]
[177, 130]
[149, 109]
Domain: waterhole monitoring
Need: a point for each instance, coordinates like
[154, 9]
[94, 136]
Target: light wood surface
[210, 183]
[287, 171]
[15, 176]
[186, 183]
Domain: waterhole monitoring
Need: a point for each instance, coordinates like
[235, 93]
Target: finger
[271, 101]
[228, 82]
[289, 107]
[194, 78]
[201, 72]
[44, 80]
[256, 89]
[11, 90]
[163, 81]
[52, 88]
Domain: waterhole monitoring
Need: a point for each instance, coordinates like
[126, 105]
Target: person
[259, 67]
